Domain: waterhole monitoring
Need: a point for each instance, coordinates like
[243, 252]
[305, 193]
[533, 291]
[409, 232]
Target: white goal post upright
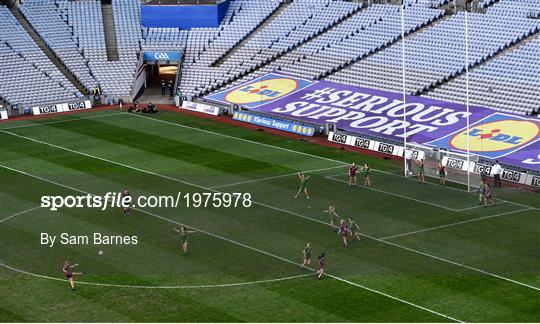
[405, 165]
[467, 93]
[432, 156]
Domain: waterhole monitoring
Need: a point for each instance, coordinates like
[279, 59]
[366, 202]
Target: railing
[181, 2]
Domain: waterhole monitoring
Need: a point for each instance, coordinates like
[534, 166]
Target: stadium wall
[184, 16]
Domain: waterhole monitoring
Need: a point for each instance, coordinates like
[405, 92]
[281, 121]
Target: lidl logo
[261, 91]
[494, 136]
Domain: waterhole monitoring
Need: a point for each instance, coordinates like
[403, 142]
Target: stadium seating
[27, 76]
[295, 25]
[164, 39]
[434, 56]
[359, 36]
[509, 83]
[114, 77]
[127, 16]
[52, 27]
[338, 40]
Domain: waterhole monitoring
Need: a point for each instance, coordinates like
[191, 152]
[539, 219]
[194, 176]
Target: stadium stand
[295, 25]
[511, 82]
[339, 40]
[127, 16]
[164, 39]
[369, 31]
[434, 55]
[114, 77]
[27, 76]
[51, 25]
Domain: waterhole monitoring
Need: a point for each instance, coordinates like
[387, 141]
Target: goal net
[457, 166]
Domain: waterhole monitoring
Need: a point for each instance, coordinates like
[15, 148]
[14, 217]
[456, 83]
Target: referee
[497, 171]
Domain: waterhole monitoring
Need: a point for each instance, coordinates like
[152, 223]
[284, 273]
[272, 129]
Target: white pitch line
[19, 213]
[332, 177]
[62, 121]
[247, 247]
[276, 208]
[456, 189]
[458, 264]
[301, 153]
[273, 177]
[239, 139]
[274, 147]
[454, 224]
[482, 205]
[98, 284]
[261, 144]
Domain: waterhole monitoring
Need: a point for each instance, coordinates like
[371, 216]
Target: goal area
[457, 166]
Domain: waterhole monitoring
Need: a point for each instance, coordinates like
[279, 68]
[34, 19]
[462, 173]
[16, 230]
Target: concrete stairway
[50, 54]
[110, 32]
[279, 55]
[254, 32]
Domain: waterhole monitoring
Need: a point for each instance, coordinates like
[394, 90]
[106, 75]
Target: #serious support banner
[511, 139]
[282, 125]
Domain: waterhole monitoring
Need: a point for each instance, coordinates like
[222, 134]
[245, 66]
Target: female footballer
[481, 191]
[307, 256]
[352, 174]
[343, 231]
[334, 217]
[441, 171]
[69, 274]
[487, 195]
[421, 171]
[320, 265]
[354, 230]
[367, 169]
[183, 231]
[303, 184]
[126, 196]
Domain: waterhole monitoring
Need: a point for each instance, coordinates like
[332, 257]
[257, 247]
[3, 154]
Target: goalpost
[458, 165]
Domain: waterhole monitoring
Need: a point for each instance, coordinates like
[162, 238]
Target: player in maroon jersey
[69, 274]
[487, 194]
[320, 265]
[343, 232]
[352, 174]
[127, 209]
[441, 171]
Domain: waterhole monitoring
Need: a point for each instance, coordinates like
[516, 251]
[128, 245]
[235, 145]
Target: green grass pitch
[427, 253]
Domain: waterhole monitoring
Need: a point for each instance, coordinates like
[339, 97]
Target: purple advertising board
[509, 138]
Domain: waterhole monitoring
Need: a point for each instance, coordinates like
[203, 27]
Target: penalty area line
[482, 205]
[333, 177]
[278, 209]
[299, 152]
[454, 224]
[274, 177]
[245, 246]
[341, 163]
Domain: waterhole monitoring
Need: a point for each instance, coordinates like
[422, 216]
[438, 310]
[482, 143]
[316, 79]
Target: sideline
[245, 246]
